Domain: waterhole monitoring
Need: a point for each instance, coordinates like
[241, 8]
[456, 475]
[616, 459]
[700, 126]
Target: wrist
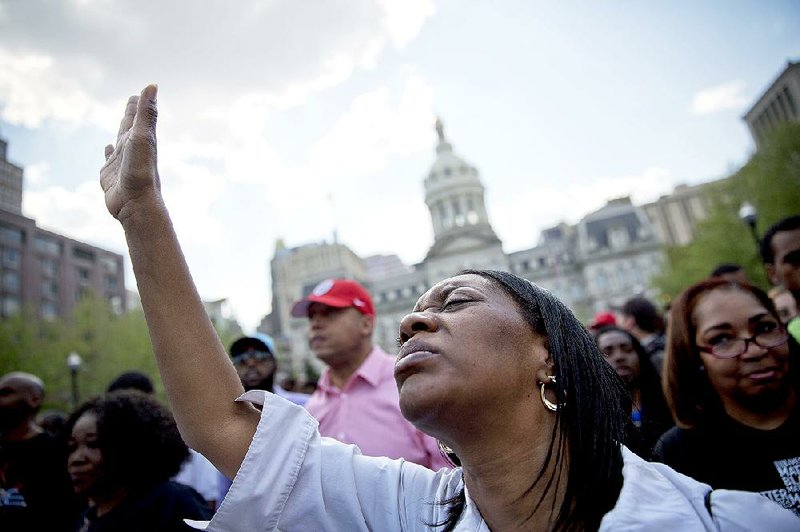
[144, 207]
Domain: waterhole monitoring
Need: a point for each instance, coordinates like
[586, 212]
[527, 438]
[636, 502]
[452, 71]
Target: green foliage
[771, 182]
[107, 343]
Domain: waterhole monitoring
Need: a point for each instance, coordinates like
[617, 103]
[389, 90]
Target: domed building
[595, 265]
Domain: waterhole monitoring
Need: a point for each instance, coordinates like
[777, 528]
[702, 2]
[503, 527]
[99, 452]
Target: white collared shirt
[292, 479]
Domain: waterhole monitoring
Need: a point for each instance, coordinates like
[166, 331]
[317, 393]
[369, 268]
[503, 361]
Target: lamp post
[74, 363]
[749, 215]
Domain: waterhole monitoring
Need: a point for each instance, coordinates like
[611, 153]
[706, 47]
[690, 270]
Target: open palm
[131, 169]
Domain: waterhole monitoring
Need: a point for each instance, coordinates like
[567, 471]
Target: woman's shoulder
[656, 497]
[179, 498]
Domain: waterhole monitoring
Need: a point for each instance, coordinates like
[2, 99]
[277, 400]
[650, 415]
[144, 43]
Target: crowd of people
[501, 410]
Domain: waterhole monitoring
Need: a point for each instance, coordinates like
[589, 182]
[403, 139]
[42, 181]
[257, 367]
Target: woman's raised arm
[200, 381]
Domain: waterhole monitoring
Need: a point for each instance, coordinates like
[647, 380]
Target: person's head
[623, 352]
[341, 319]
[641, 317]
[726, 350]
[53, 421]
[125, 440]
[479, 349]
[254, 360]
[730, 272]
[21, 397]
[131, 380]
[784, 302]
[780, 252]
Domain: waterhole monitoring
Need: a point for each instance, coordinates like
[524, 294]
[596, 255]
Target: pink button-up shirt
[366, 412]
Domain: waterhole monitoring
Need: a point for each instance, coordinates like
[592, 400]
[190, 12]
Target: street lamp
[749, 215]
[74, 363]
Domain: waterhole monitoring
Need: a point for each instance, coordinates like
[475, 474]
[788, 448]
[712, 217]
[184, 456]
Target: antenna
[332, 205]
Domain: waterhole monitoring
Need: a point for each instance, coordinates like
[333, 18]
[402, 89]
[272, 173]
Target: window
[111, 283]
[11, 281]
[84, 274]
[48, 311]
[9, 305]
[11, 258]
[49, 289]
[10, 234]
[48, 266]
[110, 264]
[47, 245]
[82, 293]
[83, 254]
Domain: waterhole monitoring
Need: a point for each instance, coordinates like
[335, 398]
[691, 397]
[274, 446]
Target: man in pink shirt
[356, 399]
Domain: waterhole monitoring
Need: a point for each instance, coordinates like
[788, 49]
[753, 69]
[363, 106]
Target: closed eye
[450, 303]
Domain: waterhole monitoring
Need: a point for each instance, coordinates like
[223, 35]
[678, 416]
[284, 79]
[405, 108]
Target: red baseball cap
[338, 293]
[603, 319]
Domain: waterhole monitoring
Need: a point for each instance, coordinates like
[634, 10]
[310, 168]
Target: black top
[35, 490]
[161, 509]
[726, 454]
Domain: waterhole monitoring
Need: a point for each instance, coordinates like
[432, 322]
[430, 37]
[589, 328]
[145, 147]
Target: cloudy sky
[287, 119]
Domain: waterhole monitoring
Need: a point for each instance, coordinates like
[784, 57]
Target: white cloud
[32, 90]
[719, 98]
[223, 75]
[518, 219]
[81, 210]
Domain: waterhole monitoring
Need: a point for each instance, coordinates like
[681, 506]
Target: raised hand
[131, 170]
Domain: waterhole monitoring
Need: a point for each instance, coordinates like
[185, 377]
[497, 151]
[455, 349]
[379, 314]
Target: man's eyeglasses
[734, 347]
[242, 358]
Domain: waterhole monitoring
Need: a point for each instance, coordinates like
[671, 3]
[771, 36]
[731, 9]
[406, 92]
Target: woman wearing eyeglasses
[731, 381]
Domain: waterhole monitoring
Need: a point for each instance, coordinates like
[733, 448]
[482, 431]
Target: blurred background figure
[53, 421]
[132, 380]
[254, 359]
[784, 303]
[643, 320]
[196, 471]
[649, 413]
[357, 400]
[35, 492]
[123, 449]
[730, 272]
[602, 319]
[780, 252]
[255, 362]
[731, 381]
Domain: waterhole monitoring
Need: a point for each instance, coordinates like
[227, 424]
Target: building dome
[454, 195]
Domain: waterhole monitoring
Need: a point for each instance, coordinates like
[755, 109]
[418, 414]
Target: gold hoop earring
[444, 448]
[548, 404]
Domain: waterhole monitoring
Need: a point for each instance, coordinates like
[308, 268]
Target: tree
[108, 344]
[771, 182]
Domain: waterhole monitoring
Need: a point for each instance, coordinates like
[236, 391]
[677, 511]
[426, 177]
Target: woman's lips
[762, 375]
[412, 359]
[412, 354]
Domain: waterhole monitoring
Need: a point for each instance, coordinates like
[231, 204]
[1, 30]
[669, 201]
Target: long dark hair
[656, 417]
[593, 410]
[690, 396]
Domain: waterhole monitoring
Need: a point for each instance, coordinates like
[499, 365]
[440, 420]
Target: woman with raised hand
[731, 378]
[493, 366]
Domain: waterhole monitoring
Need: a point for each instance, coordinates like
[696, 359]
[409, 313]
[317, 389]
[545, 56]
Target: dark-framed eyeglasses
[258, 356]
[734, 347]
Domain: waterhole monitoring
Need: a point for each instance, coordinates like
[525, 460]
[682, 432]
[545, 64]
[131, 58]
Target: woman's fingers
[144, 122]
[127, 120]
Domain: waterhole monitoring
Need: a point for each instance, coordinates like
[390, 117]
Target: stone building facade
[596, 264]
